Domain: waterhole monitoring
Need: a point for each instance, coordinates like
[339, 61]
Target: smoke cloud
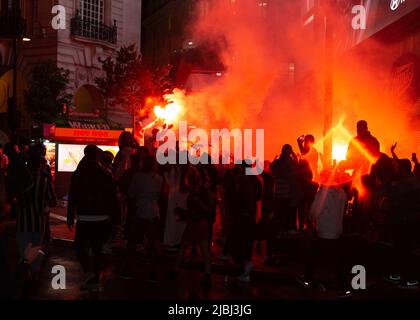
[267, 84]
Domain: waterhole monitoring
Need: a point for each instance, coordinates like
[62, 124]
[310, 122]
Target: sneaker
[345, 294]
[206, 282]
[410, 284]
[244, 278]
[305, 283]
[393, 278]
[90, 282]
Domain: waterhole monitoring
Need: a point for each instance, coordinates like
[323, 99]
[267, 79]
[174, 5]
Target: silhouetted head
[383, 169]
[107, 157]
[40, 149]
[148, 163]
[135, 159]
[142, 150]
[309, 139]
[125, 140]
[91, 153]
[404, 168]
[286, 151]
[35, 163]
[362, 127]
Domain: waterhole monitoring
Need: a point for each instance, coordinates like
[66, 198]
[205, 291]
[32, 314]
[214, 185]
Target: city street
[267, 282]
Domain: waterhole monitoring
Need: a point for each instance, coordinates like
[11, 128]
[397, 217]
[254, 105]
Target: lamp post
[16, 32]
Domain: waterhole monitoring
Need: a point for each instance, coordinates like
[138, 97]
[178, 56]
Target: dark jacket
[92, 193]
[405, 200]
[248, 193]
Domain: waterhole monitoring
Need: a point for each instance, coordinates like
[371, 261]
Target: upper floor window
[90, 21]
[92, 10]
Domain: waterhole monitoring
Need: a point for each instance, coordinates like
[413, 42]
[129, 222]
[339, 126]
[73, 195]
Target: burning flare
[339, 151]
[172, 110]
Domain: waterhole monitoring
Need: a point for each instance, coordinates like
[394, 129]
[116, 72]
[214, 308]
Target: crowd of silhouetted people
[368, 198]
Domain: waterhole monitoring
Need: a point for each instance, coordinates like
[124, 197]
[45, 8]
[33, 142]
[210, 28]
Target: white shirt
[328, 210]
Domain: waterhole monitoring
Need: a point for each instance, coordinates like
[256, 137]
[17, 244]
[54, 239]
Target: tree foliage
[128, 81]
[46, 93]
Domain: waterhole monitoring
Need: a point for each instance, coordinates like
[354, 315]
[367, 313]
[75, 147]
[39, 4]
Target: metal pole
[328, 89]
[12, 105]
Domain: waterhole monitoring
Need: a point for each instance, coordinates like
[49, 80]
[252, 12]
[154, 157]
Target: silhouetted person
[122, 159]
[287, 192]
[200, 203]
[122, 162]
[144, 190]
[309, 153]
[405, 222]
[106, 160]
[210, 176]
[123, 184]
[416, 170]
[327, 213]
[307, 172]
[93, 201]
[4, 161]
[229, 187]
[32, 209]
[247, 193]
[266, 231]
[362, 149]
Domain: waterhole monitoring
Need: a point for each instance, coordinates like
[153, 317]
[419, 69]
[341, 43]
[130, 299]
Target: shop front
[65, 147]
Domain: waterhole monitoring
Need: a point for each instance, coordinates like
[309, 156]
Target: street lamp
[15, 30]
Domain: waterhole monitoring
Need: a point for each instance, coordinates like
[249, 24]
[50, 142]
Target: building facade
[92, 30]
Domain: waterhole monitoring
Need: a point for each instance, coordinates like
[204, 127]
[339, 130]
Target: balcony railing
[93, 30]
[12, 26]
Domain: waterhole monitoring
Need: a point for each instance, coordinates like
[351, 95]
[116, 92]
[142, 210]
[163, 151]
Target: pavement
[267, 283]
